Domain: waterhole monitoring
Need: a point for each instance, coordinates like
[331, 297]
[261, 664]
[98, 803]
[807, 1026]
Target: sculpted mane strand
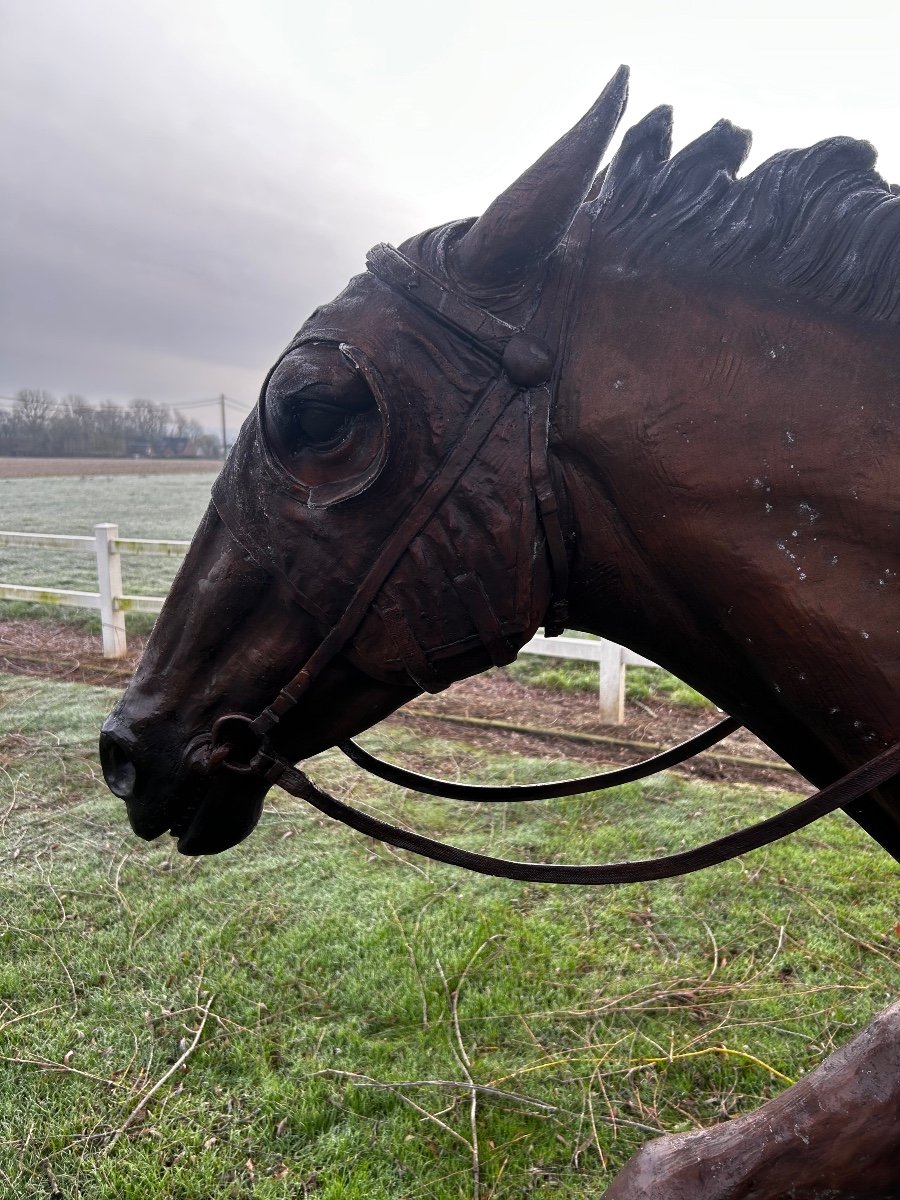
[819, 223]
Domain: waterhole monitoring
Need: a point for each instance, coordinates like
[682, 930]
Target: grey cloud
[184, 180]
[162, 224]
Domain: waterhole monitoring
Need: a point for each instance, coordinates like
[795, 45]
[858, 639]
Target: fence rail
[113, 603]
[111, 599]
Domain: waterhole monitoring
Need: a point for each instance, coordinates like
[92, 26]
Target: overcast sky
[184, 180]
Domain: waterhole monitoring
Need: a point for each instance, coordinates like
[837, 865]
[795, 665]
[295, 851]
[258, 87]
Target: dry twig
[411, 955]
[176, 1065]
[459, 1053]
[366, 1081]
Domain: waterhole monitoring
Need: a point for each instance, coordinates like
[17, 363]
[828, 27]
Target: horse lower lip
[203, 838]
[220, 816]
[148, 825]
[179, 828]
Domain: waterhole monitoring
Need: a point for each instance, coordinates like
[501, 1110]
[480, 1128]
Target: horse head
[377, 525]
[656, 403]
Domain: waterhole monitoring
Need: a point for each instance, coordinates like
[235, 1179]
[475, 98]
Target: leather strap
[557, 614]
[487, 412]
[483, 330]
[844, 791]
[415, 660]
[601, 782]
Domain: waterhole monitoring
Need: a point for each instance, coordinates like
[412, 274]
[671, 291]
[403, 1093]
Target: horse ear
[527, 222]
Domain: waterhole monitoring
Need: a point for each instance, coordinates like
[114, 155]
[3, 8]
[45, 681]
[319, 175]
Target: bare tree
[35, 406]
[148, 420]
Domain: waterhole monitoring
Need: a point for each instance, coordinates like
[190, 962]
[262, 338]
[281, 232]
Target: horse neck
[732, 466]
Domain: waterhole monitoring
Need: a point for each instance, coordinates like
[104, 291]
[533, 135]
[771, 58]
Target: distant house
[174, 447]
[162, 447]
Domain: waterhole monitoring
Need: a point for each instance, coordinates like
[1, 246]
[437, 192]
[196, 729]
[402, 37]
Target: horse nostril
[118, 769]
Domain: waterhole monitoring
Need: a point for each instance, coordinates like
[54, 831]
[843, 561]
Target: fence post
[612, 683]
[109, 578]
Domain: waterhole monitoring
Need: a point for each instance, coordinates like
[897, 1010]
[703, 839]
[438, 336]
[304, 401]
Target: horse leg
[835, 1135]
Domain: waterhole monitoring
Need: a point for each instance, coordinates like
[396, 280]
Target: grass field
[36, 468]
[311, 1015]
[641, 683]
[157, 506]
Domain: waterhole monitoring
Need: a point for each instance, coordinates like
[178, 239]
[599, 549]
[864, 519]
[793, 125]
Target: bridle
[526, 371]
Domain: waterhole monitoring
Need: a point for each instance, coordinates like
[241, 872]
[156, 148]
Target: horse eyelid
[365, 369]
[347, 351]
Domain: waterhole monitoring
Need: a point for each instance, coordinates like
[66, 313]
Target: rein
[525, 367]
[450, 790]
[846, 789]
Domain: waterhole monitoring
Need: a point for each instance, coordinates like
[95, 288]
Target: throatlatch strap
[557, 614]
[845, 790]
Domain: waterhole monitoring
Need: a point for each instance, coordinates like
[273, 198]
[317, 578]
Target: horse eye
[323, 421]
[321, 424]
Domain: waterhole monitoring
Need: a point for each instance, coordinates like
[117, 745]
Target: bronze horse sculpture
[659, 403]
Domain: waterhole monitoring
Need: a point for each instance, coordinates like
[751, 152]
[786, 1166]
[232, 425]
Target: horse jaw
[233, 651]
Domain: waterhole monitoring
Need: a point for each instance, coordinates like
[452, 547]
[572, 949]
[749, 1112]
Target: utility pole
[224, 436]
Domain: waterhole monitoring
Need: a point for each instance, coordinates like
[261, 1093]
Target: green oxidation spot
[138, 604]
[45, 596]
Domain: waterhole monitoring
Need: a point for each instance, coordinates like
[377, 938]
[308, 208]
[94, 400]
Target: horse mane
[818, 223]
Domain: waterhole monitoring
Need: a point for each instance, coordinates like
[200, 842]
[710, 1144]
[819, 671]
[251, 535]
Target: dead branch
[176, 1065]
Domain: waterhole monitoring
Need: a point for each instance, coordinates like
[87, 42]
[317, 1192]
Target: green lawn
[641, 683]
[144, 506]
[337, 1006]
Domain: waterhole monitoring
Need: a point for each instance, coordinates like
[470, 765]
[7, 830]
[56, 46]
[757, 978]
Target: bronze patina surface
[701, 374]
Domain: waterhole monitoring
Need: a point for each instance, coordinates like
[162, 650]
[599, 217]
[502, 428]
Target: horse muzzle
[205, 811]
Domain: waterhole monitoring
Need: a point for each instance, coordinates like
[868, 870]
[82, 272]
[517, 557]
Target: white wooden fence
[611, 660]
[113, 604]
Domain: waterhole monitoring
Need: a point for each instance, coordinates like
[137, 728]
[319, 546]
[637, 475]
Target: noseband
[527, 370]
